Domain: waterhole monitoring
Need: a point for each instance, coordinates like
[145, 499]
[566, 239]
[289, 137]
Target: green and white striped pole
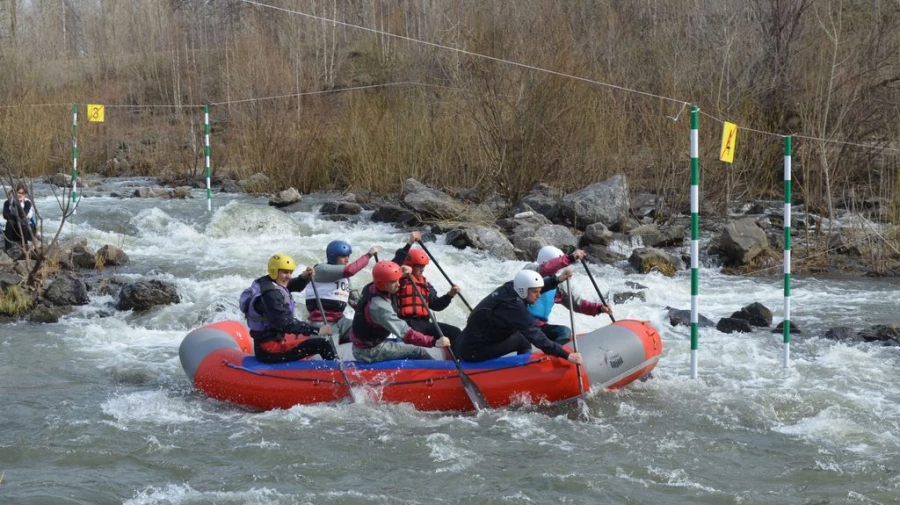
[787, 251]
[206, 144]
[695, 235]
[74, 157]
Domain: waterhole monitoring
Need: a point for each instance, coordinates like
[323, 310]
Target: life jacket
[542, 307]
[334, 296]
[409, 304]
[255, 320]
[364, 328]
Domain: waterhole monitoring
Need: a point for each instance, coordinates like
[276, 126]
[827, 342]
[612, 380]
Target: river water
[97, 410]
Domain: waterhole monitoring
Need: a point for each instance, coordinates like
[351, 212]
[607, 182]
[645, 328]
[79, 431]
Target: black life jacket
[364, 328]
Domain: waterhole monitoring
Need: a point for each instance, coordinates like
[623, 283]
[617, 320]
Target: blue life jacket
[249, 297]
[542, 307]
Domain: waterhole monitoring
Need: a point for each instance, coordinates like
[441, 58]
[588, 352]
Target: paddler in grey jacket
[376, 319]
[333, 285]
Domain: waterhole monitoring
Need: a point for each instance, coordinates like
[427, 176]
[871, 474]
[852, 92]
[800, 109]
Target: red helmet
[416, 258]
[384, 272]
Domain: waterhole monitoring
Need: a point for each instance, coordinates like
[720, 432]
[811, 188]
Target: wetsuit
[277, 335]
[501, 324]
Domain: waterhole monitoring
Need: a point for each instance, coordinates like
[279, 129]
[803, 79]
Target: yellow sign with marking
[96, 112]
[729, 141]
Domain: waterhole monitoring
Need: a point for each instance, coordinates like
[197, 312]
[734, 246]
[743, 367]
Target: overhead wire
[684, 103]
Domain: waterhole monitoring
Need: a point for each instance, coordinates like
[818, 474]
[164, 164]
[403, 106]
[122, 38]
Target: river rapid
[96, 409]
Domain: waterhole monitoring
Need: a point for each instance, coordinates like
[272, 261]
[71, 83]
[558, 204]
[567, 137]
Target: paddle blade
[475, 395]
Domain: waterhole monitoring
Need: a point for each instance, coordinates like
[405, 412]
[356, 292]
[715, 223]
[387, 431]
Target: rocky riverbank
[638, 234]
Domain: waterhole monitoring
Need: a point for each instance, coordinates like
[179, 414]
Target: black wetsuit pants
[483, 351]
[292, 348]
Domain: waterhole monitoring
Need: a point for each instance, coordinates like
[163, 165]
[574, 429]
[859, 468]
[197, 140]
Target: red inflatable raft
[218, 359]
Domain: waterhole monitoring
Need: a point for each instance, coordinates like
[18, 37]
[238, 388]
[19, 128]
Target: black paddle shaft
[475, 395]
[461, 297]
[591, 277]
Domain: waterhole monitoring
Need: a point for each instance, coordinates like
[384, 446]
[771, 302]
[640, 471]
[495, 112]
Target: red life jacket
[409, 304]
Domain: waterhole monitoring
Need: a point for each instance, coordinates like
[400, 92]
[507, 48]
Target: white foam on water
[184, 494]
[678, 478]
[212, 257]
[132, 410]
[449, 455]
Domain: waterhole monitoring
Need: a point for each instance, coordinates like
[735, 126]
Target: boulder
[144, 295]
[67, 289]
[601, 202]
[619, 298]
[340, 208]
[389, 213]
[484, 238]
[181, 193]
[603, 255]
[731, 325]
[841, 245]
[683, 318]
[841, 333]
[60, 180]
[431, 202]
[743, 240]
[44, 314]
[285, 197]
[153, 192]
[111, 255]
[14, 252]
[780, 328]
[83, 257]
[596, 233]
[886, 333]
[543, 199]
[756, 314]
[530, 242]
[649, 259]
[496, 203]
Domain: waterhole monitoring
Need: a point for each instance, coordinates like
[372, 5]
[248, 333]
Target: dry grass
[14, 301]
[816, 68]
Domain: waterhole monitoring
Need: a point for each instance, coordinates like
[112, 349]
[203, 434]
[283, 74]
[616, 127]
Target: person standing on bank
[501, 324]
[277, 335]
[376, 319]
[551, 260]
[335, 290]
[17, 211]
[409, 305]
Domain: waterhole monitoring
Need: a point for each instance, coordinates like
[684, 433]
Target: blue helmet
[337, 248]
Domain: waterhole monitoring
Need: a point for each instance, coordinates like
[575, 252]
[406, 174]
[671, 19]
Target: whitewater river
[97, 410]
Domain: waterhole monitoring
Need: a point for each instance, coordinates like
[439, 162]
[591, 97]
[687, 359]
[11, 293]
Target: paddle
[475, 395]
[433, 260]
[591, 277]
[585, 412]
[337, 356]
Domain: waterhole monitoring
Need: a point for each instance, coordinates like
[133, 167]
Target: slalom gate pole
[74, 157]
[206, 147]
[695, 236]
[787, 251]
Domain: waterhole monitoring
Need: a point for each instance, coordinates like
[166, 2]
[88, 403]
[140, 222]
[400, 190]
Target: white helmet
[526, 279]
[547, 253]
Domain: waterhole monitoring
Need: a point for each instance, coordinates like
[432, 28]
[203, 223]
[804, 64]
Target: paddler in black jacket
[501, 323]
